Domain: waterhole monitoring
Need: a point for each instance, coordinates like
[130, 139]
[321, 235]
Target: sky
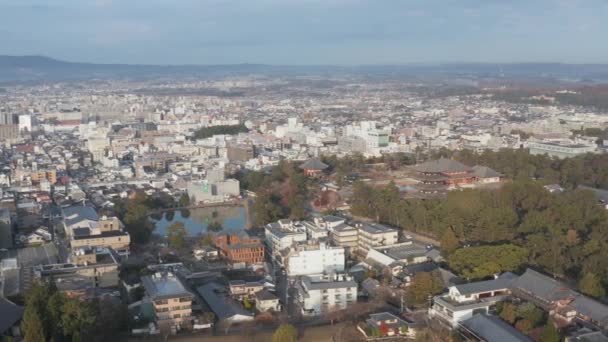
[305, 32]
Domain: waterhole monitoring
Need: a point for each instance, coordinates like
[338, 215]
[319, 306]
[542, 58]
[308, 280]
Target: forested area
[206, 132]
[50, 315]
[280, 193]
[589, 169]
[565, 234]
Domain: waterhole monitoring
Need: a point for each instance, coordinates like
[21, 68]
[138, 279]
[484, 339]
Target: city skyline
[306, 32]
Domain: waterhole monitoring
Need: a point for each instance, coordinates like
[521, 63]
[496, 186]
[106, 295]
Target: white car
[409, 237]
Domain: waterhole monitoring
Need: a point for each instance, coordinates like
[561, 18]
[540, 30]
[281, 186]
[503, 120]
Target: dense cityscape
[303, 171]
[245, 205]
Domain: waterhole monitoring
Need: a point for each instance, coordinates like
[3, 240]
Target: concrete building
[314, 258]
[463, 301]
[560, 150]
[283, 234]
[240, 153]
[9, 132]
[88, 268]
[321, 294]
[240, 247]
[172, 302]
[213, 191]
[84, 227]
[375, 235]
[6, 229]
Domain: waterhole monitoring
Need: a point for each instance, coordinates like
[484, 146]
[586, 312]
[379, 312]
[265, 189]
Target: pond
[196, 221]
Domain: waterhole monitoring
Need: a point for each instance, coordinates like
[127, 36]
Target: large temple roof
[440, 166]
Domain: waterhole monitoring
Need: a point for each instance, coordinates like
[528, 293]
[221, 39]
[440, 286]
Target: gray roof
[265, 295]
[77, 213]
[601, 194]
[493, 329]
[332, 218]
[370, 285]
[311, 284]
[551, 290]
[504, 281]
[589, 336]
[164, 287]
[222, 305]
[343, 227]
[542, 286]
[81, 232]
[485, 172]
[11, 314]
[441, 165]
[403, 252]
[376, 228]
[314, 164]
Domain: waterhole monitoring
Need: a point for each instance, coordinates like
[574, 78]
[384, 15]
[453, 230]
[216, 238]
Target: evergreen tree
[176, 235]
[31, 326]
[550, 333]
[449, 241]
[591, 285]
[285, 333]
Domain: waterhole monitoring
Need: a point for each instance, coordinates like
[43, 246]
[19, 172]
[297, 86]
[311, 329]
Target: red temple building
[441, 175]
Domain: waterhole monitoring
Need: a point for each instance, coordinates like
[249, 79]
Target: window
[177, 316]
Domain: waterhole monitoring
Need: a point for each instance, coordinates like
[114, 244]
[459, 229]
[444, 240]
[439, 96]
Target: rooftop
[164, 286]
[493, 329]
[440, 166]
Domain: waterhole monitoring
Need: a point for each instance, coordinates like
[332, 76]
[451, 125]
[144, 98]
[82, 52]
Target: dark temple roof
[441, 165]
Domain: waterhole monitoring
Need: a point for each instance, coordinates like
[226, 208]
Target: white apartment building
[283, 234]
[315, 230]
[318, 295]
[463, 301]
[375, 235]
[560, 150]
[310, 259]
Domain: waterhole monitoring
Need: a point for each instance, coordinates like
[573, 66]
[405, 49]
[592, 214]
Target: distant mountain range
[40, 68]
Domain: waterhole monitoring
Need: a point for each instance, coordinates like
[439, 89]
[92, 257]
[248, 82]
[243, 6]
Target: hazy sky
[341, 32]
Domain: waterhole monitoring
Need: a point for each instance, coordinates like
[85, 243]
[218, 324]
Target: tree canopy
[206, 132]
[564, 233]
[176, 235]
[285, 333]
[484, 261]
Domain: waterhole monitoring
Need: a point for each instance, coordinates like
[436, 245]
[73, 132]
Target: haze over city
[303, 32]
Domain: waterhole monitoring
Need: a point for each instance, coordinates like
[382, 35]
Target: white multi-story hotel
[314, 258]
[318, 295]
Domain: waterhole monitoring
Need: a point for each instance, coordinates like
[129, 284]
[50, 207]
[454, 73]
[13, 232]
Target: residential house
[463, 301]
[223, 306]
[266, 301]
[386, 324]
